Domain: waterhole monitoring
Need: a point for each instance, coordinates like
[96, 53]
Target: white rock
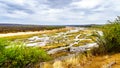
[100, 33]
[40, 44]
[33, 38]
[53, 51]
[32, 44]
[83, 48]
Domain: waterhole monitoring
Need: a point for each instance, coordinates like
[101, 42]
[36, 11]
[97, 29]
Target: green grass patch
[16, 55]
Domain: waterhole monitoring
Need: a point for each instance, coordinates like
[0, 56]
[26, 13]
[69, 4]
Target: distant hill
[8, 28]
[9, 24]
[88, 25]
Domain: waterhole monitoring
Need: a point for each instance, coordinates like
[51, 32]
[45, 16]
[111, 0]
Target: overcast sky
[58, 12]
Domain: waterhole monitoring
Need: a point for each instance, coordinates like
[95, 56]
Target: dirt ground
[107, 61]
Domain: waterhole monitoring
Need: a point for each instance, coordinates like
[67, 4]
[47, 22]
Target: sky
[58, 12]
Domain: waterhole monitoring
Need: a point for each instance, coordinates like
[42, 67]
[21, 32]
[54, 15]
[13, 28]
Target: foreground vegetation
[16, 55]
[110, 41]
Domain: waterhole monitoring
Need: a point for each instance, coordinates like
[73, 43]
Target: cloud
[86, 4]
[58, 3]
[58, 12]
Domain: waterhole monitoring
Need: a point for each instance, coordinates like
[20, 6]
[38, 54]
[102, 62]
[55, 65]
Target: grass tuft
[18, 56]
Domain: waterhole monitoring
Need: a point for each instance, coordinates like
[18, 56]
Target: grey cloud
[58, 3]
[56, 11]
[10, 7]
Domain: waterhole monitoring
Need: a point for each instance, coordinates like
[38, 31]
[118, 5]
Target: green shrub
[19, 56]
[110, 42]
[3, 43]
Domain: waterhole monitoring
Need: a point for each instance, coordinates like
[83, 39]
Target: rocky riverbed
[76, 40]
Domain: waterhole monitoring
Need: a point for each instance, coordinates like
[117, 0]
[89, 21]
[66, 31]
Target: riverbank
[22, 35]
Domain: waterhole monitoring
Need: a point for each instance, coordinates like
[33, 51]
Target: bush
[110, 42]
[3, 43]
[19, 56]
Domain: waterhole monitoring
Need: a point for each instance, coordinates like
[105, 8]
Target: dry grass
[71, 62]
[103, 61]
[84, 42]
[23, 35]
[52, 46]
[86, 62]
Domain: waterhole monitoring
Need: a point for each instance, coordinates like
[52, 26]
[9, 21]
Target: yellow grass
[103, 61]
[53, 46]
[73, 62]
[22, 35]
[86, 62]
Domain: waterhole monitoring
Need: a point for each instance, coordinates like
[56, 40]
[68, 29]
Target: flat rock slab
[83, 48]
[53, 51]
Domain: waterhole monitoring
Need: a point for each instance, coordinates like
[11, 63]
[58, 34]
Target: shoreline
[32, 32]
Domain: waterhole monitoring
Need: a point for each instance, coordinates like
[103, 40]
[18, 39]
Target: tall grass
[18, 56]
[110, 42]
[76, 61]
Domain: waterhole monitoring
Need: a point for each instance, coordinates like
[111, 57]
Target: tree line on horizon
[25, 28]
